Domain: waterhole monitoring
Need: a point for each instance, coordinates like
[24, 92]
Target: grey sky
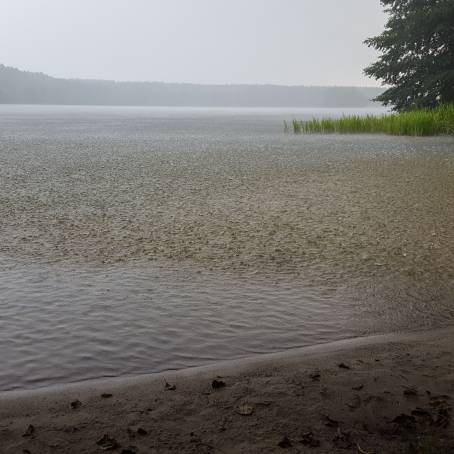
[304, 42]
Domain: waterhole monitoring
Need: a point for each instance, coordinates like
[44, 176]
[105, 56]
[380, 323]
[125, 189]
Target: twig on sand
[361, 451]
[211, 447]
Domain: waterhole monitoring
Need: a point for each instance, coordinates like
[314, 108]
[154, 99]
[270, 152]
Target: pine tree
[417, 54]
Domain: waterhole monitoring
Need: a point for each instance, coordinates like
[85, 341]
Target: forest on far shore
[22, 87]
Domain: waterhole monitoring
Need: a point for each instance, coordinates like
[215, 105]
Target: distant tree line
[21, 87]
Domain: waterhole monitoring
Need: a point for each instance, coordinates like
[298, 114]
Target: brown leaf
[410, 391]
[343, 440]
[245, 410]
[30, 431]
[309, 440]
[76, 404]
[170, 387]
[217, 384]
[129, 450]
[443, 417]
[285, 443]
[330, 422]
[315, 376]
[355, 402]
[405, 421]
[107, 443]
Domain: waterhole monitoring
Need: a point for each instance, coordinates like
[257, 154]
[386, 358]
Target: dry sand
[372, 395]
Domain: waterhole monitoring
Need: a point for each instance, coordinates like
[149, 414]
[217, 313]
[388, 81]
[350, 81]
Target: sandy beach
[381, 394]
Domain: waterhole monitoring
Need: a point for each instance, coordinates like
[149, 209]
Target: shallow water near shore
[138, 240]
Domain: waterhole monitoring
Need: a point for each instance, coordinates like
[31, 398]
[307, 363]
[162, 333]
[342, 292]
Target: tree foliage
[417, 54]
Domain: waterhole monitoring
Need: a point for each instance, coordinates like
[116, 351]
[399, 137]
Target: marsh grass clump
[422, 122]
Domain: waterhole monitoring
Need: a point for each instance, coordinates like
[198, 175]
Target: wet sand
[380, 394]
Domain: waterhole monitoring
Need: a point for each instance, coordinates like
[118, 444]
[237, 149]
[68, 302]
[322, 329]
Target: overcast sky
[292, 42]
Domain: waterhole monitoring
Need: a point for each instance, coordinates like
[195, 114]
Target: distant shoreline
[23, 87]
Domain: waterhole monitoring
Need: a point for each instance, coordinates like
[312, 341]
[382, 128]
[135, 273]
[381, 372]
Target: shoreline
[381, 393]
[238, 365]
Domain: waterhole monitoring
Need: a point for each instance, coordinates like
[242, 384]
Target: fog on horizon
[289, 42]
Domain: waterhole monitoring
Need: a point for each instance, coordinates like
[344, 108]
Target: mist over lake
[137, 240]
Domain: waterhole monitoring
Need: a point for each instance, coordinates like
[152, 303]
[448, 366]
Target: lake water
[137, 240]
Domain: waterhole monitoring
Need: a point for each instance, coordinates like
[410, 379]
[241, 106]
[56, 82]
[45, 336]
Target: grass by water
[424, 122]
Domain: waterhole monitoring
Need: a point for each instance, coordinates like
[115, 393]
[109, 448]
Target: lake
[138, 240]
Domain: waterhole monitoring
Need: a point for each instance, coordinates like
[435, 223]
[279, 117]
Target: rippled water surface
[140, 240]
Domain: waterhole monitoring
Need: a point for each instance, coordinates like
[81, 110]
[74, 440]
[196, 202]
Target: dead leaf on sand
[343, 440]
[355, 403]
[420, 412]
[324, 391]
[407, 422]
[439, 417]
[195, 438]
[30, 431]
[373, 398]
[426, 417]
[106, 395]
[217, 384]
[357, 388]
[315, 376]
[129, 450]
[410, 391]
[436, 401]
[442, 417]
[330, 422]
[76, 404]
[107, 443]
[170, 387]
[308, 440]
[343, 366]
[285, 443]
[245, 410]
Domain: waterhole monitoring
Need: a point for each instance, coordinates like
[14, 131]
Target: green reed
[424, 122]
